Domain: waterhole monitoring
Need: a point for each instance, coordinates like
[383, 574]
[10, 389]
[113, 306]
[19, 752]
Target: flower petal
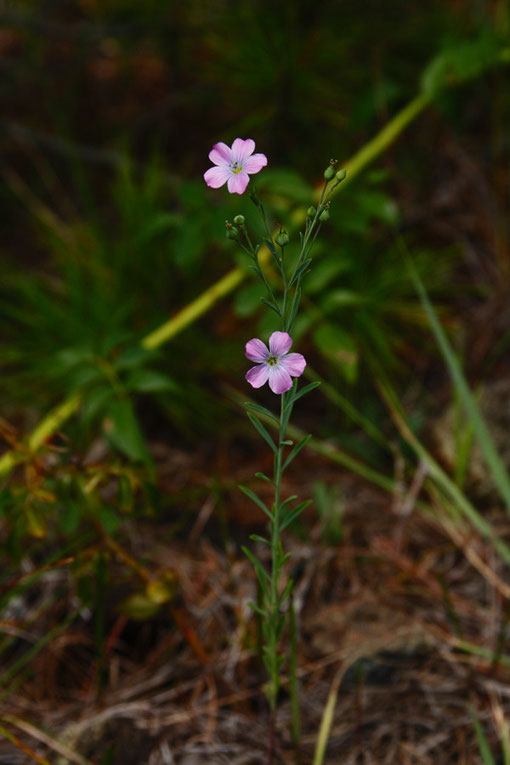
[241, 149]
[279, 343]
[255, 164]
[258, 375]
[256, 350]
[220, 154]
[216, 177]
[238, 182]
[293, 363]
[279, 379]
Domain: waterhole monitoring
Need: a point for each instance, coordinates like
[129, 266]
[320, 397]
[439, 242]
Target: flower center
[272, 361]
[236, 167]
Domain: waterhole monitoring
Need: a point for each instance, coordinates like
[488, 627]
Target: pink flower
[234, 166]
[276, 364]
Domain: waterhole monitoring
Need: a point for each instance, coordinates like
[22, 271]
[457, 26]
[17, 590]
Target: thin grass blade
[482, 434]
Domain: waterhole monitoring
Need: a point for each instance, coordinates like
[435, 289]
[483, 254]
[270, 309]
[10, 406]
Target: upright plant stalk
[275, 620]
[275, 588]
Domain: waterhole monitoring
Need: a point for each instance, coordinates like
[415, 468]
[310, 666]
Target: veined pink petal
[279, 343]
[241, 149]
[279, 379]
[258, 375]
[220, 154]
[216, 176]
[293, 363]
[255, 164]
[238, 182]
[256, 350]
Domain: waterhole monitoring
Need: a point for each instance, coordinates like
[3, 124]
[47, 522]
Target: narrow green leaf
[294, 309]
[286, 592]
[257, 538]
[294, 514]
[256, 609]
[287, 502]
[278, 631]
[305, 390]
[271, 305]
[483, 744]
[249, 493]
[260, 571]
[300, 271]
[263, 432]
[270, 247]
[261, 410]
[264, 478]
[124, 430]
[296, 451]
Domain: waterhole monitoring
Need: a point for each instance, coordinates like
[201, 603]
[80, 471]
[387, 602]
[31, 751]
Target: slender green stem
[266, 282]
[266, 224]
[273, 615]
[248, 240]
[285, 291]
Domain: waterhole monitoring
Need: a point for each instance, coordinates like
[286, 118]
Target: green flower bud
[329, 173]
[239, 220]
[341, 175]
[282, 238]
[232, 232]
[311, 212]
[324, 216]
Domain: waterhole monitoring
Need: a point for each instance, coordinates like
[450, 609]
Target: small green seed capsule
[282, 238]
[324, 216]
[232, 232]
[329, 173]
[341, 175]
[239, 220]
[311, 212]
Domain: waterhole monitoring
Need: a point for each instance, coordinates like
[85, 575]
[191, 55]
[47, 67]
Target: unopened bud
[282, 238]
[232, 231]
[329, 172]
[324, 216]
[341, 175]
[311, 212]
[239, 220]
